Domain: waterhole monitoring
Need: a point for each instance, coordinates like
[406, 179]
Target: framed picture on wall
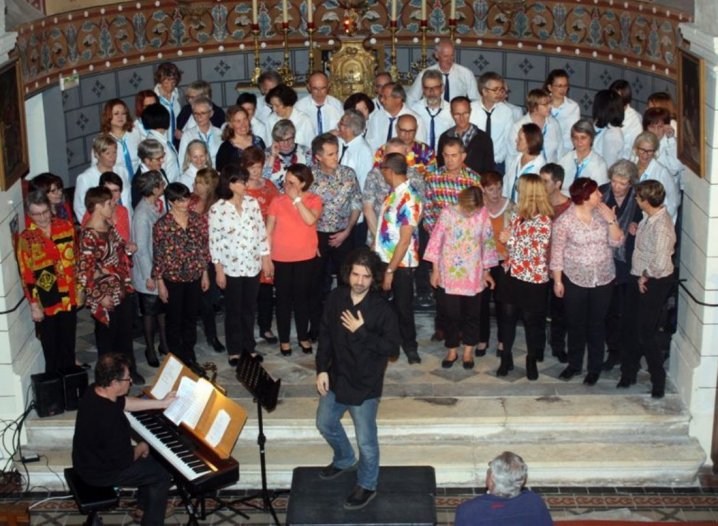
[14, 162]
[691, 111]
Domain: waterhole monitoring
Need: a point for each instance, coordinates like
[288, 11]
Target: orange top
[293, 239]
[497, 224]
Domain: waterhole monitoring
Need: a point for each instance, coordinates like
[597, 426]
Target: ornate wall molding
[633, 33]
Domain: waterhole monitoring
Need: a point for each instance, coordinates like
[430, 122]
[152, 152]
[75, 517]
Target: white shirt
[514, 170]
[128, 143]
[552, 139]
[608, 143]
[171, 164]
[593, 167]
[502, 119]
[188, 176]
[358, 156]
[442, 120]
[378, 125]
[237, 241]
[306, 130]
[516, 111]
[260, 130]
[331, 111]
[632, 128]
[668, 157]
[91, 178]
[173, 106]
[566, 114]
[462, 81]
[660, 173]
[263, 110]
[212, 139]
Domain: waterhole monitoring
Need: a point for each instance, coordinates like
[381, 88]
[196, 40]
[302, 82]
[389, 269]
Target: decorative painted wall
[639, 35]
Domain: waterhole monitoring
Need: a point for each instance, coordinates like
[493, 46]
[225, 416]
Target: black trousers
[423, 271]
[206, 306]
[460, 315]
[534, 326]
[117, 336]
[585, 311]
[295, 287]
[557, 327]
[57, 336]
[402, 291]
[640, 325]
[153, 484]
[265, 307]
[329, 263]
[181, 318]
[240, 303]
[616, 310]
[498, 274]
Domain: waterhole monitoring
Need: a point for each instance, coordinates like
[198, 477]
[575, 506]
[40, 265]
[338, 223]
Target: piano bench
[90, 499]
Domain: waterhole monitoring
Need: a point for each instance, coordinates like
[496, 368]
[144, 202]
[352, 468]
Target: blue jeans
[329, 423]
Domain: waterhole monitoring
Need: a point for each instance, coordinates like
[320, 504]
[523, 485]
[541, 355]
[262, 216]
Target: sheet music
[219, 426]
[202, 391]
[181, 405]
[167, 379]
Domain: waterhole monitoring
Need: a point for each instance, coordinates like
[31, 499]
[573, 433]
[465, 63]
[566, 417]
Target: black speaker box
[48, 393]
[74, 383]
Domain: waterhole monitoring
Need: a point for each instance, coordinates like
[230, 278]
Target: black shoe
[285, 352]
[507, 362]
[216, 344]
[413, 357]
[539, 356]
[137, 378]
[269, 337]
[233, 361]
[305, 350]
[568, 373]
[330, 472]
[438, 336]
[447, 364]
[658, 392]
[591, 378]
[468, 365]
[257, 357]
[561, 356]
[611, 361]
[151, 357]
[531, 369]
[480, 352]
[625, 382]
[359, 498]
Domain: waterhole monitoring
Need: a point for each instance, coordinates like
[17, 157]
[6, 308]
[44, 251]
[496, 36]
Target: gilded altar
[352, 68]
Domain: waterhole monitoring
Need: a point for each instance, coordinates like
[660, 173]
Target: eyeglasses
[201, 113]
[125, 379]
[45, 212]
[496, 90]
[432, 88]
[286, 139]
[646, 151]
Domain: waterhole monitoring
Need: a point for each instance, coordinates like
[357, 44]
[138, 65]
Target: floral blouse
[583, 252]
[340, 195]
[180, 254]
[463, 247]
[104, 270]
[528, 248]
[237, 241]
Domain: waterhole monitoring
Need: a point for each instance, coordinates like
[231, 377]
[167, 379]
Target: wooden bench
[91, 499]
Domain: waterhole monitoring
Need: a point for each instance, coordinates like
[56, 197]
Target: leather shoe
[257, 357]
[568, 373]
[269, 337]
[413, 357]
[438, 336]
[469, 365]
[657, 392]
[233, 361]
[331, 472]
[359, 498]
[216, 345]
[480, 352]
[625, 382]
[506, 364]
[531, 369]
[591, 378]
[447, 364]
[305, 350]
[285, 352]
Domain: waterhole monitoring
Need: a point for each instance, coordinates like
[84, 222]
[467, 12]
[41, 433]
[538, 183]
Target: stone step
[558, 417]
[642, 462]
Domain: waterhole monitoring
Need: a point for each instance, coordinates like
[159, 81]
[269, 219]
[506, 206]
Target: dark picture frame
[691, 111]
[14, 162]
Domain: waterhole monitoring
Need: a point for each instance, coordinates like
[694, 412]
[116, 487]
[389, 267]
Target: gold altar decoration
[351, 69]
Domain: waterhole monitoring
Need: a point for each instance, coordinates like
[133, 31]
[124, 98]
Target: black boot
[539, 355]
[531, 368]
[507, 364]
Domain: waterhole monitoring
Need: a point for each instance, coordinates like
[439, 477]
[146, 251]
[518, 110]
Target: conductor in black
[358, 335]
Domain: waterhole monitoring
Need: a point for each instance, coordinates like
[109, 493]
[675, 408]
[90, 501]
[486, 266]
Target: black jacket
[356, 361]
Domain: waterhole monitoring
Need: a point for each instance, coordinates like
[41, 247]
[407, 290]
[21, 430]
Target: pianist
[102, 453]
[358, 334]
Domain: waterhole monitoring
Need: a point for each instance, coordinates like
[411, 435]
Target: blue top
[525, 508]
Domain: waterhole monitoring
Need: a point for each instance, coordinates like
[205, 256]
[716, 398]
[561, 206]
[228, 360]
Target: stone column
[694, 355]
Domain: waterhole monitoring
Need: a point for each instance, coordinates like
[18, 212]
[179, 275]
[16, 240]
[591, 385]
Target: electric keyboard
[198, 467]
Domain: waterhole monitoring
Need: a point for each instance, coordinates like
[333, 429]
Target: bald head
[406, 127]
[444, 55]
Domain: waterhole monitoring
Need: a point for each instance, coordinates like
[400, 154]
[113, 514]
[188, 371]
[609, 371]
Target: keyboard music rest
[198, 467]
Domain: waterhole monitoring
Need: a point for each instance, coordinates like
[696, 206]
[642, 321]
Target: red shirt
[293, 239]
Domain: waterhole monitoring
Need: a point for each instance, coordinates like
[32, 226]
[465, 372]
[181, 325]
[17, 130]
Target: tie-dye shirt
[402, 207]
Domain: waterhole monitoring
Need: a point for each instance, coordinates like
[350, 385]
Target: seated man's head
[113, 369]
[506, 475]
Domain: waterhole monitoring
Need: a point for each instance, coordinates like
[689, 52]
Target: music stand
[265, 390]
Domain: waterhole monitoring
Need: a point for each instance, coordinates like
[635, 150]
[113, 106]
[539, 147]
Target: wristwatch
[389, 271]
[296, 200]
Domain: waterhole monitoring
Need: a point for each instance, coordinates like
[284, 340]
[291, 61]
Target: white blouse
[237, 241]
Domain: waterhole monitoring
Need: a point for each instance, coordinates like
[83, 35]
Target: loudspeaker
[48, 393]
[74, 383]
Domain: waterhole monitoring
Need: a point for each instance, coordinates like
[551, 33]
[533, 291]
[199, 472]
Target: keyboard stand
[196, 505]
[265, 391]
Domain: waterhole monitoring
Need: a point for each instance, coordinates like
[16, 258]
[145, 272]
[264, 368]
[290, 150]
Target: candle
[254, 12]
[393, 10]
[285, 15]
[423, 10]
[452, 11]
[310, 15]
